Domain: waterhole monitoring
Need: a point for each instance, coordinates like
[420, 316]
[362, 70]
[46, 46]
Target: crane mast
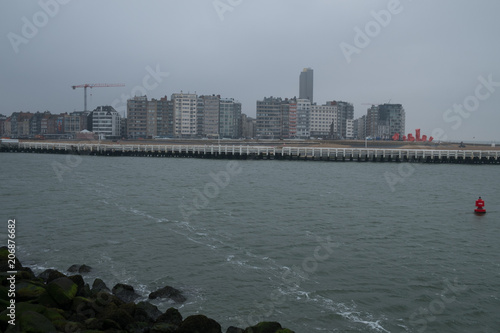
[94, 85]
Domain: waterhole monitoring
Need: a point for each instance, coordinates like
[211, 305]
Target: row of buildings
[187, 115]
[182, 116]
[298, 118]
[210, 116]
[104, 121]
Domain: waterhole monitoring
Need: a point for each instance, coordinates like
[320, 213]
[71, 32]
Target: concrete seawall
[260, 152]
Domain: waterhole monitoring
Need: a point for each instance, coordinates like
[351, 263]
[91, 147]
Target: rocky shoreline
[56, 302]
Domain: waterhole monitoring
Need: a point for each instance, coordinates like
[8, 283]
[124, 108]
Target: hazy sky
[439, 58]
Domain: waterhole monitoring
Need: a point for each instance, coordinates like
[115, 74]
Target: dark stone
[25, 273]
[99, 285]
[264, 327]
[79, 268]
[34, 322]
[62, 290]
[146, 311]
[232, 329]
[163, 328]
[73, 268]
[199, 324]
[50, 275]
[118, 316]
[84, 269]
[171, 316]
[27, 290]
[125, 292]
[168, 292]
[78, 280]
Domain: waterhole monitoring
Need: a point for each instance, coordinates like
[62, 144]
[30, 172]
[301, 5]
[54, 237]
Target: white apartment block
[323, 120]
[184, 109]
[106, 122]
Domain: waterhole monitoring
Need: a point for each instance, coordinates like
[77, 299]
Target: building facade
[106, 122]
[185, 114]
[137, 117]
[323, 121]
[303, 118]
[306, 81]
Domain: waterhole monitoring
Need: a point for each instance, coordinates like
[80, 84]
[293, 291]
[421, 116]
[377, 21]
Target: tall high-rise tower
[306, 84]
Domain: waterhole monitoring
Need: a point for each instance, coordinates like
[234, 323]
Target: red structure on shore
[412, 138]
[480, 206]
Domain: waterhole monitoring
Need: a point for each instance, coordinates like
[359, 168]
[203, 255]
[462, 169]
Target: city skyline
[445, 72]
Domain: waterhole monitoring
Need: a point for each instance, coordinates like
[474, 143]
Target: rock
[264, 327]
[79, 268]
[62, 290]
[232, 329]
[163, 328]
[146, 311]
[116, 315]
[29, 290]
[99, 285]
[199, 324]
[125, 292]
[168, 292]
[34, 322]
[171, 316]
[56, 318]
[50, 275]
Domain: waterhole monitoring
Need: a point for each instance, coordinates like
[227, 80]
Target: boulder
[99, 285]
[34, 322]
[125, 292]
[168, 292]
[147, 312]
[163, 328]
[199, 324]
[50, 275]
[171, 316]
[79, 268]
[29, 290]
[264, 327]
[62, 290]
[232, 329]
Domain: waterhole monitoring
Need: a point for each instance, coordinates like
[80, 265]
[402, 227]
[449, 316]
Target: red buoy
[480, 206]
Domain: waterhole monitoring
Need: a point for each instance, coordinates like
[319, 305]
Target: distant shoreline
[376, 151]
[289, 142]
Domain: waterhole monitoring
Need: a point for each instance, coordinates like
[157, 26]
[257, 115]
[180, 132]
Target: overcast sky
[427, 55]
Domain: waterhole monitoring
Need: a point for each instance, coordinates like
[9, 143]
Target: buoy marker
[480, 206]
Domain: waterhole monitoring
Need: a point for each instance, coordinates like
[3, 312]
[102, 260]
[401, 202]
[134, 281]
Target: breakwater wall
[261, 152]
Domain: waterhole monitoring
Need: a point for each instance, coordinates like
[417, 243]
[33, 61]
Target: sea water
[316, 246]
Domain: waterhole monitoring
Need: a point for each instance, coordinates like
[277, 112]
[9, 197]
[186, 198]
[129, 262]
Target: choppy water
[317, 246]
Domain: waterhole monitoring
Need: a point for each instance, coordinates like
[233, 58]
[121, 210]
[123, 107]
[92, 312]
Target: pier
[259, 152]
